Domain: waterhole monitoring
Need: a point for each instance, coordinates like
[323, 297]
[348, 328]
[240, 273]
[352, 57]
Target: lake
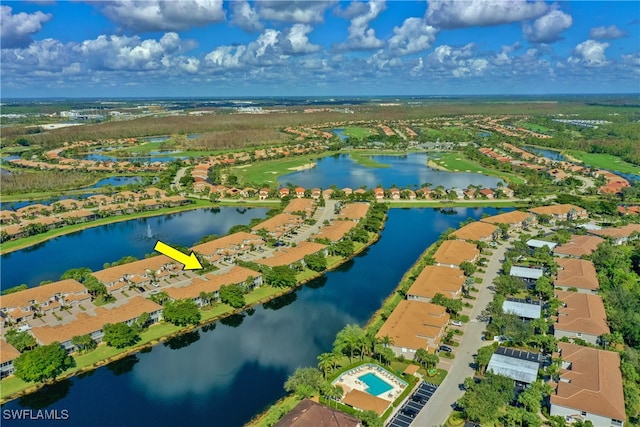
[116, 181]
[226, 373]
[141, 159]
[549, 154]
[107, 243]
[22, 203]
[405, 170]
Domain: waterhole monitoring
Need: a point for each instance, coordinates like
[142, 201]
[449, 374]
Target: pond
[116, 181]
[549, 154]
[107, 243]
[406, 170]
[227, 372]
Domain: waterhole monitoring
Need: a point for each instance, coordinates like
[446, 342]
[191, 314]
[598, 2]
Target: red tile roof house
[561, 212]
[578, 246]
[516, 220]
[284, 192]
[379, 193]
[582, 316]
[576, 273]
[590, 386]
[8, 354]
[477, 231]
[299, 192]
[487, 192]
[395, 193]
[291, 256]
[21, 306]
[122, 275]
[232, 244]
[452, 253]
[618, 235]
[434, 280]
[92, 325]
[279, 224]
[263, 194]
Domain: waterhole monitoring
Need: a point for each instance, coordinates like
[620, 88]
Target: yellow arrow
[190, 261]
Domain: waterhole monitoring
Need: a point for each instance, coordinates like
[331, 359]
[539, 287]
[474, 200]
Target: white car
[456, 323]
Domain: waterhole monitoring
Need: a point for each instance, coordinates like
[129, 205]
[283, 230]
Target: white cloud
[160, 15]
[413, 36]
[299, 11]
[361, 36]
[548, 27]
[297, 40]
[611, 32]
[16, 30]
[503, 57]
[590, 53]
[481, 13]
[244, 16]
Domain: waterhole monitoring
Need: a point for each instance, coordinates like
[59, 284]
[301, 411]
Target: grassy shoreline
[457, 162]
[13, 387]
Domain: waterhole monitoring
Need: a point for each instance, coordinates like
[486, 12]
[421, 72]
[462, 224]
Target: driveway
[438, 408]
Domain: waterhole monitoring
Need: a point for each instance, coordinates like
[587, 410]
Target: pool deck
[350, 381]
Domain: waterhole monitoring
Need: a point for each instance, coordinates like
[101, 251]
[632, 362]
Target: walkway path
[438, 408]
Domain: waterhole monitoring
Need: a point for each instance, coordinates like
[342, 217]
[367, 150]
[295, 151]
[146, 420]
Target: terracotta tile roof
[366, 402]
[211, 282]
[277, 222]
[454, 252]
[300, 205]
[513, 217]
[411, 322]
[577, 273]
[7, 352]
[85, 324]
[583, 313]
[437, 280]
[140, 267]
[40, 294]
[232, 241]
[557, 210]
[594, 382]
[579, 246]
[290, 255]
[617, 232]
[309, 413]
[335, 231]
[354, 211]
[475, 231]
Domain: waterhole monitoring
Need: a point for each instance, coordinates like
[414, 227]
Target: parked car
[456, 323]
[445, 349]
[409, 412]
[279, 243]
[418, 399]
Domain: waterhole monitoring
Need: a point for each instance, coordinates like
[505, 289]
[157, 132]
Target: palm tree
[326, 361]
[421, 356]
[387, 341]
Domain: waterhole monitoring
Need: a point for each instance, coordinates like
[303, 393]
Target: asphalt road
[438, 408]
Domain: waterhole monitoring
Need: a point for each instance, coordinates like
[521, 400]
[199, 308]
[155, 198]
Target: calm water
[17, 205]
[410, 170]
[340, 133]
[141, 159]
[225, 374]
[95, 246]
[549, 154]
[116, 181]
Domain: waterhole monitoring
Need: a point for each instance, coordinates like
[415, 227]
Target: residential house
[434, 280]
[528, 274]
[379, 193]
[579, 246]
[354, 211]
[283, 192]
[452, 253]
[309, 413]
[229, 247]
[299, 191]
[413, 325]
[477, 232]
[525, 309]
[290, 256]
[8, 354]
[618, 235]
[576, 273]
[335, 231]
[519, 365]
[144, 271]
[561, 212]
[306, 206]
[516, 220]
[534, 244]
[581, 316]
[590, 386]
[279, 224]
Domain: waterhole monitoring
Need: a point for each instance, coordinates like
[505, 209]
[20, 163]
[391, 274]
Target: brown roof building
[576, 273]
[335, 231]
[144, 267]
[8, 354]
[43, 295]
[561, 212]
[301, 205]
[309, 413]
[227, 245]
[436, 280]
[477, 231]
[583, 316]
[288, 256]
[590, 386]
[413, 325]
[618, 234]
[279, 224]
[515, 219]
[579, 246]
[366, 402]
[212, 283]
[354, 211]
[452, 253]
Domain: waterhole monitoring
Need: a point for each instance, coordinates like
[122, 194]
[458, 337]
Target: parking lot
[413, 405]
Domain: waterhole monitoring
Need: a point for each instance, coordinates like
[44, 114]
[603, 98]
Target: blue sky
[317, 48]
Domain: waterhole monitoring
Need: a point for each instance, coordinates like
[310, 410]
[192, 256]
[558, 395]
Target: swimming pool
[375, 385]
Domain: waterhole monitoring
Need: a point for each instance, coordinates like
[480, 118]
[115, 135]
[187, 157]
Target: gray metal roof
[522, 309]
[517, 369]
[540, 243]
[526, 272]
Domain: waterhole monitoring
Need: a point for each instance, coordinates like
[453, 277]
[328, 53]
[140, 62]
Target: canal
[227, 372]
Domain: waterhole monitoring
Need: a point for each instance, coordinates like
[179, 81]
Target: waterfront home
[434, 280]
[173, 201]
[81, 215]
[14, 231]
[487, 193]
[354, 211]
[581, 316]
[8, 354]
[49, 222]
[516, 220]
[149, 269]
[306, 206]
[452, 253]
[309, 413]
[8, 217]
[413, 325]
[561, 212]
[618, 235]
[283, 192]
[263, 193]
[92, 323]
[299, 192]
[294, 255]
[578, 246]
[335, 231]
[478, 232]
[279, 224]
[576, 273]
[21, 306]
[211, 283]
[590, 386]
[65, 205]
[230, 246]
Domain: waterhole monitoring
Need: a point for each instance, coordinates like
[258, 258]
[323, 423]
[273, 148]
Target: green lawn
[535, 127]
[457, 162]
[605, 161]
[359, 132]
[268, 172]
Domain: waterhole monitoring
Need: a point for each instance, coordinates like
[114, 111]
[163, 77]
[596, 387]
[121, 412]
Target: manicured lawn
[305, 274]
[535, 127]
[458, 203]
[9, 386]
[359, 132]
[217, 310]
[364, 159]
[262, 292]
[605, 161]
[275, 412]
[457, 162]
[268, 172]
